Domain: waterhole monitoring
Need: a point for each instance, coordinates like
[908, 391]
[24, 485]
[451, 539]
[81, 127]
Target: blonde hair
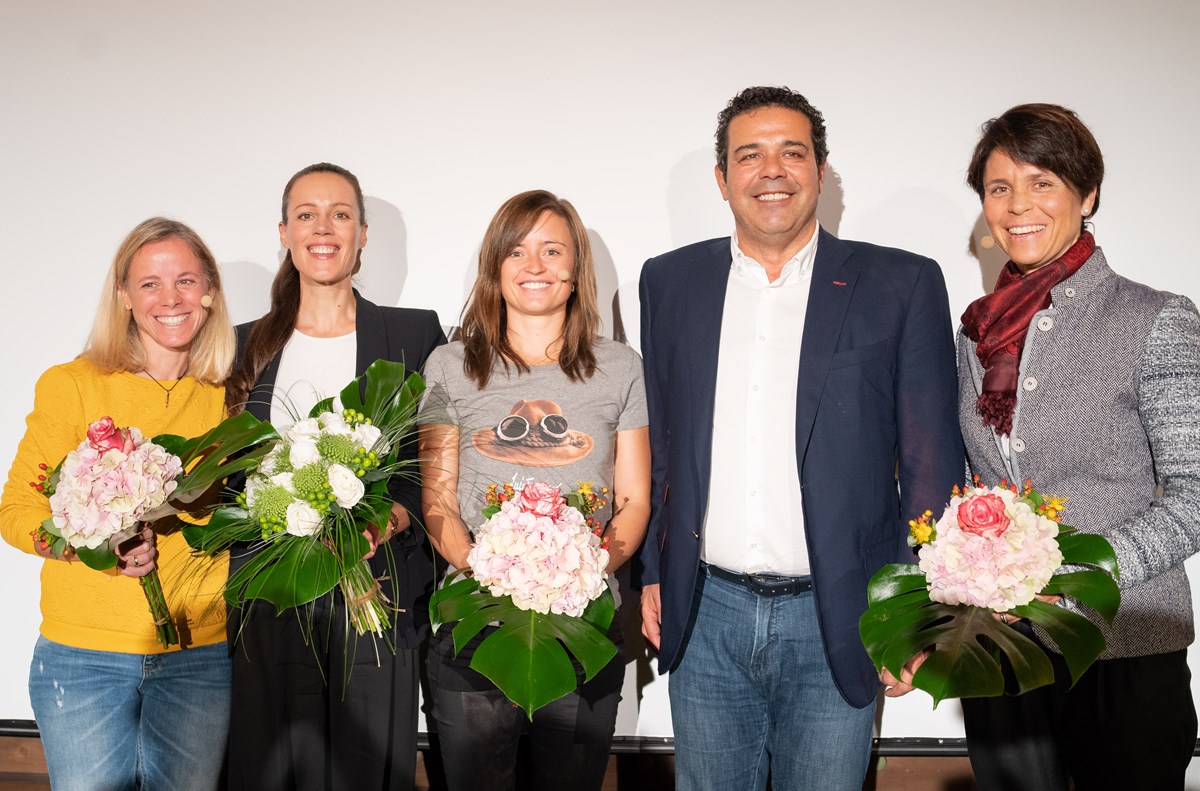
[114, 344]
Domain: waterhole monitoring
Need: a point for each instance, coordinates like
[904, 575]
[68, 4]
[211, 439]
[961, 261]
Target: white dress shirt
[754, 522]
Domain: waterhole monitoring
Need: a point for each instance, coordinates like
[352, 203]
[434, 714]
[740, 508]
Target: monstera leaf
[966, 644]
[527, 656]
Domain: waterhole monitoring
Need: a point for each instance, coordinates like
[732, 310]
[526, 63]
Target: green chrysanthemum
[310, 480]
[283, 462]
[338, 449]
[271, 503]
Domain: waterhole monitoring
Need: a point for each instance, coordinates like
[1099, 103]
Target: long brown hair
[272, 331]
[114, 344]
[485, 317]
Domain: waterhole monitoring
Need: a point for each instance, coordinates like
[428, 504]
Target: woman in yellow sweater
[114, 709]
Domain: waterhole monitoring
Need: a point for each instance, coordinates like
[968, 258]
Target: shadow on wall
[385, 258]
[247, 288]
[608, 283]
[694, 204]
[990, 261]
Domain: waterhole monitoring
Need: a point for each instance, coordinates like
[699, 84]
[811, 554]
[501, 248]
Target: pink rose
[541, 499]
[103, 435]
[983, 515]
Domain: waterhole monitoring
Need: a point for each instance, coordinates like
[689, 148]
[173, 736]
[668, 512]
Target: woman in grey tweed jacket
[1089, 385]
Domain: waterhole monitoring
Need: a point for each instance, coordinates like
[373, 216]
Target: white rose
[303, 453]
[302, 519]
[366, 435]
[283, 479]
[304, 429]
[334, 423]
[347, 488]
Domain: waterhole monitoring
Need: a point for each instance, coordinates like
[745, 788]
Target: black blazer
[876, 395]
[401, 335]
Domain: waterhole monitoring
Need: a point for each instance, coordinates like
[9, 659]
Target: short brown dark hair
[1047, 136]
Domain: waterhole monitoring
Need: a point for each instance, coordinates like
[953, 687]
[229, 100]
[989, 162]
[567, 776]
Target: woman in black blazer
[314, 706]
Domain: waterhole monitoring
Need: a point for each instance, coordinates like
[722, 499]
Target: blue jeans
[111, 721]
[753, 694]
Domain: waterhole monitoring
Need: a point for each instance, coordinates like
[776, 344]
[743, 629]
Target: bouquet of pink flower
[102, 492]
[993, 551]
[538, 569]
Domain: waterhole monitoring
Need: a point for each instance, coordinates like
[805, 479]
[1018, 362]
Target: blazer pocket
[863, 354]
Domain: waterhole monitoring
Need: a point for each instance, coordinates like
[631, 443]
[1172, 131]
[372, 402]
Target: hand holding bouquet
[993, 551]
[307, 503]
[538, 569]
[115, 480]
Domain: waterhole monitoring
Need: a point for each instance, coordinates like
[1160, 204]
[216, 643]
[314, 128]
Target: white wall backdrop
[120, 110]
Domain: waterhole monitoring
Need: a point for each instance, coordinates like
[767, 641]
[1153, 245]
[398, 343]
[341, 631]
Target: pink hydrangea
[992, 550]
[546, 563]
[102, 493]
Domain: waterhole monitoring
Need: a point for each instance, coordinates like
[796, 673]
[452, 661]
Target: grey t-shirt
[538, 426]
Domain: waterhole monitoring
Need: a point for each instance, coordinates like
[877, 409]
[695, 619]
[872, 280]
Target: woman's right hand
[136, 557]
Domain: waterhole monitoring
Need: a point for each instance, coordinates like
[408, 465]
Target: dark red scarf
[997, 322]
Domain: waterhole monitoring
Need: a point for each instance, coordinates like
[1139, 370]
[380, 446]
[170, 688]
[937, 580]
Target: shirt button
[1030, 383]
[754, 493]
[762, 337]
[1017, 445]
[1070, 292]
[1045, 323]
[754, 387]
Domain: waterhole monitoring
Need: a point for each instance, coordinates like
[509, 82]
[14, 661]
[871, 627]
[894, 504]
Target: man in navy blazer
[802, 398]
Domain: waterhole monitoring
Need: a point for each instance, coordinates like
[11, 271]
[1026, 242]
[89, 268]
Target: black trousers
[479, 729]
[1128, 724]
[311, 712]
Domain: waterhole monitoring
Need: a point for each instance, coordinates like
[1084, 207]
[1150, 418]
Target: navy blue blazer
[402, 335]
[876, 398]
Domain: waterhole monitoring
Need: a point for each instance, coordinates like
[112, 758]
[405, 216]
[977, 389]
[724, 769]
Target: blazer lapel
[371, 334]
[833, 280]
[705, 306]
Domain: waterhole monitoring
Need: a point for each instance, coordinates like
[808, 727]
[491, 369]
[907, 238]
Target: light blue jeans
[114, 722]
[753, 694]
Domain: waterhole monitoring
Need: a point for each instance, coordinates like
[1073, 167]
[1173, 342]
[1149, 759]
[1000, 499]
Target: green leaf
[1092, 587]
[225, 527]
[894, 579]
[1079, 640]
[101, 558]
[1089, 550]
[218, 453]
[528, 665]
[287, 574]
[524, 655]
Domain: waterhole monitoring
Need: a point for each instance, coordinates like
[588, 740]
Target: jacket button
[1045, 323]
[1017, 444]
[1070, 292]
[1030, 383]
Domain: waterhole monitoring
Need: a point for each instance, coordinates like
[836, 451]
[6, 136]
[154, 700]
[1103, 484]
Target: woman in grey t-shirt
[530, 393]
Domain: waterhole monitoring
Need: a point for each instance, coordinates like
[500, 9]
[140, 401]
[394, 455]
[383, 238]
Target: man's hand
[651, 615]
[896, 687]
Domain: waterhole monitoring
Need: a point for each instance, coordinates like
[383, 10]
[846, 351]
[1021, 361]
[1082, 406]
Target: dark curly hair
[760, 96]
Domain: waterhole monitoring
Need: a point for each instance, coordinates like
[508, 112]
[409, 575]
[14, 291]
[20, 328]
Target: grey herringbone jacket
[1108, 411]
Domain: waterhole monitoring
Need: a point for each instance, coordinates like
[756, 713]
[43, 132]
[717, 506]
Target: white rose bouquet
[306, 505]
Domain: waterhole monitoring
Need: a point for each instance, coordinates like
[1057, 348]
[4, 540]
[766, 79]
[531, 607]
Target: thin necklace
[166, 389]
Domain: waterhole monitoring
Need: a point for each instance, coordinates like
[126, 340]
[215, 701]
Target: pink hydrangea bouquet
[116, 479]
[538, 570]
[995, 555]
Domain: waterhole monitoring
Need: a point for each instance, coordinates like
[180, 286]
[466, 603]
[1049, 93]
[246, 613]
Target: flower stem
[364, 607]
[164, 624]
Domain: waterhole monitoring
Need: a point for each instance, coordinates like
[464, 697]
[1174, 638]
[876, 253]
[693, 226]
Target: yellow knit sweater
[101, 611]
